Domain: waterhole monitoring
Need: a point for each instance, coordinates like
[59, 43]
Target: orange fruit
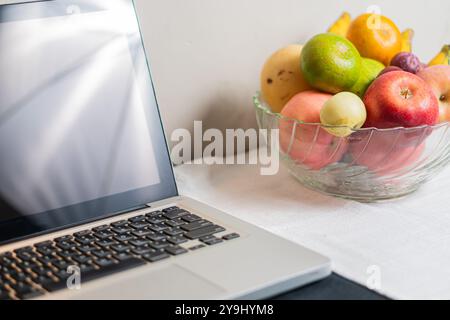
[376, 37]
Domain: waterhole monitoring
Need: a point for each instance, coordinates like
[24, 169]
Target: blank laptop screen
[80, 134]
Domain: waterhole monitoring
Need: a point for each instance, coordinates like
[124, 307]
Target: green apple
[343, 113]
[330, 63]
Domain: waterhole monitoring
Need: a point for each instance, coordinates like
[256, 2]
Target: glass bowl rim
[261, 105]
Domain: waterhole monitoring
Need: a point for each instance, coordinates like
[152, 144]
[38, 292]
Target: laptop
[89, 207]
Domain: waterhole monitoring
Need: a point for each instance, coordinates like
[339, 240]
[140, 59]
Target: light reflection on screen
[72, 126]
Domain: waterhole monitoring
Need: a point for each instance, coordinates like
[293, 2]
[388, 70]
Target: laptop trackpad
[171, 282]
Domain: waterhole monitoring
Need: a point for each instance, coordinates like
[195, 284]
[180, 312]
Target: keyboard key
[124, 237]
[63, 238]
[156, 256]
[26, 256]
[142, 250]
[141, 233]
[101, 228]
[61, 264]
[102, 272]
[212, 241]
[25, 291]
[177, 239]
[230, 236]
[158, 227]
[85, 267]
[191, 218]
[84, 240]
[157, 237]
[137, 219]
[106, 243]
[122, 256]
[156, 219]
[47, 243]
[67, 253]
[154, 214]
[105, 234]
[121, 230]
[196, 225]
[120, 223]
[173, 214]
[104, 262]
[159, 244]
[24, 250]
[121, 248]
[173, 232]
[7, 261]
[203, 239]
[46, 260]
[63, 275]
[66, 245]
[46, 251]
[199, 246]
[52, 286]
[19, 276]
[175, 250]
[83, 233]
[175, 222]
[170, 209]
[6, 255]
[139, 242]
[8, 270]
[205, 231]
[101, 253]
[87, 248]
[81, 259]
[25, 265]
[30, 294]
[43, 279]
[41, 271]
[139, 225]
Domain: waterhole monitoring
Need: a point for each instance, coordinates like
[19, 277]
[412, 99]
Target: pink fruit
[400, 99]
[386, 153]
[305, 106]
[438, 77]
[407, 61]
[308, 144]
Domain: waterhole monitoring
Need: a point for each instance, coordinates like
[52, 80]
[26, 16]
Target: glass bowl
[369, 165]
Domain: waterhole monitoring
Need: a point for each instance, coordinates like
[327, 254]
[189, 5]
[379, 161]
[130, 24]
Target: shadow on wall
[226, 111]
[222, 111]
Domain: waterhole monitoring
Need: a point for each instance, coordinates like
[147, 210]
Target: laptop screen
[80, 132]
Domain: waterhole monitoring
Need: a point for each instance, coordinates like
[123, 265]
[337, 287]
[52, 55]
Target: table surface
[405, 242]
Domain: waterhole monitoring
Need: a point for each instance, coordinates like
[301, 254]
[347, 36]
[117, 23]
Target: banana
[443, 57]
[341, 25]
[407, 37]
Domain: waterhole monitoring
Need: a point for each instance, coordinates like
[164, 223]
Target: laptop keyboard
[45, 267]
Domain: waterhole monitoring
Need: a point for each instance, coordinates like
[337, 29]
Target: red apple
[400, 99]
[308, 144]
[438, 77]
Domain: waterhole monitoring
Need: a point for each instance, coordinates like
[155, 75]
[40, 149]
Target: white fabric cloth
[407, 240]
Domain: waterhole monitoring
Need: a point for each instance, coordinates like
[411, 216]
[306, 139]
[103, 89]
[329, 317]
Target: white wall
[206, 54]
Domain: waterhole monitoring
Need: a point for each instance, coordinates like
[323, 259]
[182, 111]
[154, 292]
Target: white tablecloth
[408, 240]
